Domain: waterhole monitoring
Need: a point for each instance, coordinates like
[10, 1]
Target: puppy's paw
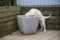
[44, 30]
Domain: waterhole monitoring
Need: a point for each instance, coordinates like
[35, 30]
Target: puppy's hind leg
[43, 26]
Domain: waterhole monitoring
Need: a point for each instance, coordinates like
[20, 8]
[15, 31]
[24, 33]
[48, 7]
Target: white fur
[36, 12]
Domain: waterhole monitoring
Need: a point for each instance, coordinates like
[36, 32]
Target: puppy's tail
[48, 16]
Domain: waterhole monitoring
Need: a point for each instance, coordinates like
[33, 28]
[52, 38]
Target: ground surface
[49, 35]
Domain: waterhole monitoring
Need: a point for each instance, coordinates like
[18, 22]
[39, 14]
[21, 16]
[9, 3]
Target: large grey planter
[27, 25]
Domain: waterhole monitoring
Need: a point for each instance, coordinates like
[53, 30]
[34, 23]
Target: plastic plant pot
[27, 25]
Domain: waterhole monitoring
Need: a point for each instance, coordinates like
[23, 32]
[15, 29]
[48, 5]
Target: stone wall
[8, 22]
